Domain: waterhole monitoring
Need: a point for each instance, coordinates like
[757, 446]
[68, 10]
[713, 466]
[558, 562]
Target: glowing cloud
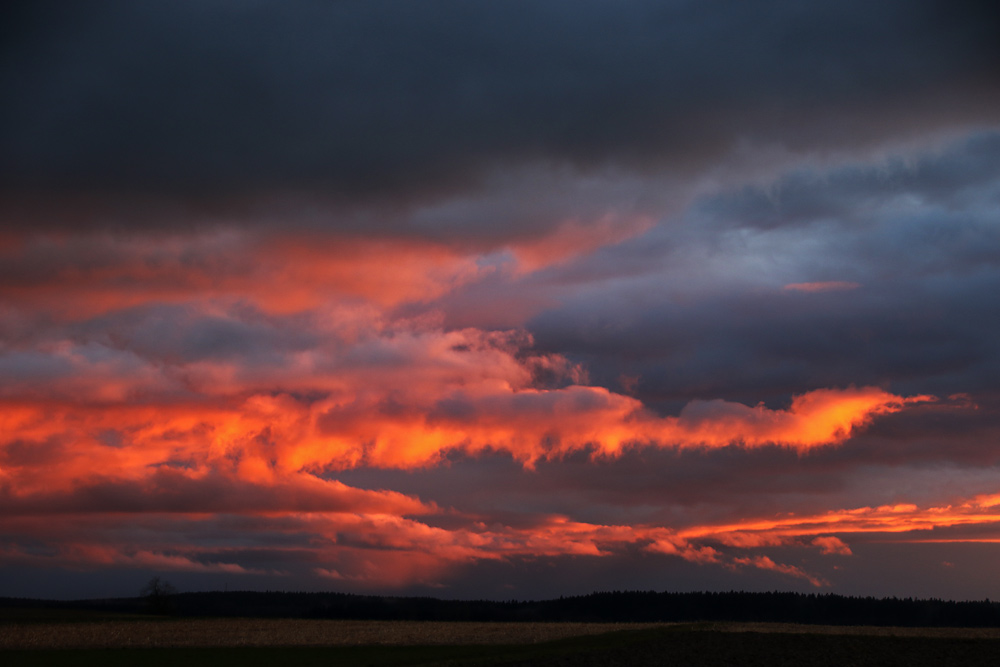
[765, 563]
[262, 437]
[832, 545]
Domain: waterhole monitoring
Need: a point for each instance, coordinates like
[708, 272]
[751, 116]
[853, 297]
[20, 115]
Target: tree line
[611, 606]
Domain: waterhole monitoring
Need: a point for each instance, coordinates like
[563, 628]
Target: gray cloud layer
[357, 98]
[700, 305]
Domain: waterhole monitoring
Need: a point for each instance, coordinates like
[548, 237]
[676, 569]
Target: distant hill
[617, 606]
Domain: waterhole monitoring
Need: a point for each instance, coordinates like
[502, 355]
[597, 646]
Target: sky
[504, 300]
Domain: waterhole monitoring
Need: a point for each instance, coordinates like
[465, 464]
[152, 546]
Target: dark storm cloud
[963, 176]
[700, 308]
[369, 97]
[169, 490]
[751, 348]
[955, 432]
[642, 486]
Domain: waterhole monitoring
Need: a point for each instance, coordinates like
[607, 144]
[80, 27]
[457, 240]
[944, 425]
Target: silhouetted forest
[617, 606]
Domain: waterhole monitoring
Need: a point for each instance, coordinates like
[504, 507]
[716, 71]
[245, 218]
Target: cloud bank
[499, 299]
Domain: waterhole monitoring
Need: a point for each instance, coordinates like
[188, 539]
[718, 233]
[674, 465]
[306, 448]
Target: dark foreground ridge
[617, 606]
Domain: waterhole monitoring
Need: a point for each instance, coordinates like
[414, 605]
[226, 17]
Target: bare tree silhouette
[158, 593]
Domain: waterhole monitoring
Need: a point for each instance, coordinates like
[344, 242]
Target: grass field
[252, 632]
[109, 642]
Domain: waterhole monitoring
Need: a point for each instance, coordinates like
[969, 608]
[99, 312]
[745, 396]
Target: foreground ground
[234, 632]
[47, 642]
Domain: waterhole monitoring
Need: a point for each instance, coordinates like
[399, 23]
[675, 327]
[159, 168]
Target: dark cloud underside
[370, 97]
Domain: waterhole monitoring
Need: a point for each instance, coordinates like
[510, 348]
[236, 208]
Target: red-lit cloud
[388, 549]
[765, 563]
[832, 545]
[261, 437]
[192, 382]
[106, 435]
[77, 276]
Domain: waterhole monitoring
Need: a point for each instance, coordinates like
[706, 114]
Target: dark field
[251, 642]
[144, 632]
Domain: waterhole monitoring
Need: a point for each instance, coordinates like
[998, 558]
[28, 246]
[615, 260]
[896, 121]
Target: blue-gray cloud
[367, 98]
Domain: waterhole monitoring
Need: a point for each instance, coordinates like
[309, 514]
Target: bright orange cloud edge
[262, 438]
[263, 451]
[407, 550]
[88, 452]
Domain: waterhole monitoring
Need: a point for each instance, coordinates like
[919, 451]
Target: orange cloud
[94, 435]
[459, 391]
[673, 545]
[832, 545]
[816, 418]
[262, 438]
[367, 538]
[889, 519]
[98, 273]
[765, 563]
[80, 275]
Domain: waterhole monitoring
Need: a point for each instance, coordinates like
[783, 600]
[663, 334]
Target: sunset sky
[500, 299]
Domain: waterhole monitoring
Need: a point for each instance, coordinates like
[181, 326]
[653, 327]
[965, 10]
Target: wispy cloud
[827, 286]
